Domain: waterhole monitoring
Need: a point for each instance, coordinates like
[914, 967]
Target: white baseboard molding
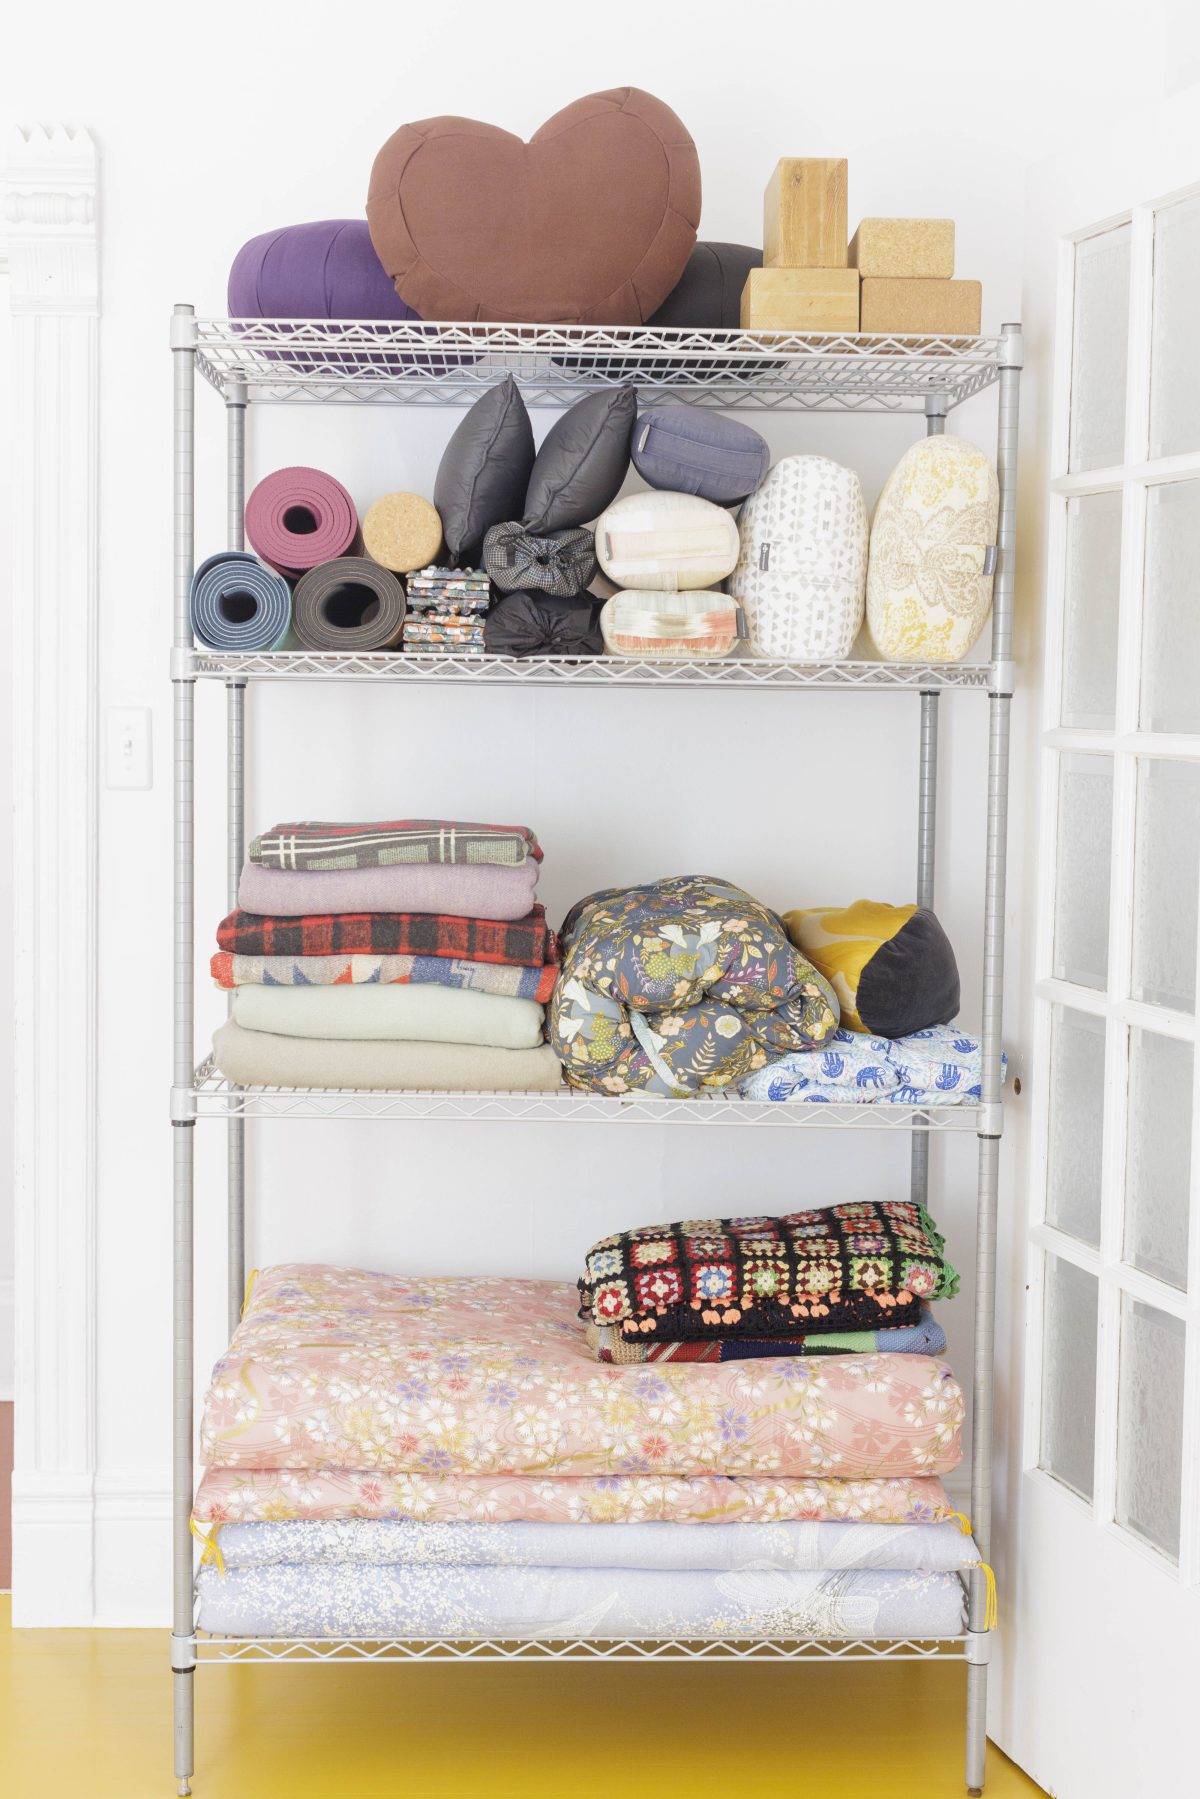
[133, 1550]
[52, 1550]
[92, 1551]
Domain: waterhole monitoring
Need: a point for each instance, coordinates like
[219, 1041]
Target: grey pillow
[484, 471]
[582, 463]
[686, 450]
[709, 294]
[560, 563]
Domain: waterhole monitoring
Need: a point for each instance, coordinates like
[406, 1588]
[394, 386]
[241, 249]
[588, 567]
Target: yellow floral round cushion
[891, 967]
[929, 581]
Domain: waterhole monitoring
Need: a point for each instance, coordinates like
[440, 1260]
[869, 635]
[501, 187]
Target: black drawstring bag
[530, 624]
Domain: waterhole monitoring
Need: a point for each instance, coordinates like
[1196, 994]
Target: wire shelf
[342, 1650]
[319, 360]
[591, 671]
[212, 1096]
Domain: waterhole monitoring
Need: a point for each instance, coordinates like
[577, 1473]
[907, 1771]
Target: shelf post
[999, 703]
[935, 424]
[183, 1654]
[235, 465]
[235, 764]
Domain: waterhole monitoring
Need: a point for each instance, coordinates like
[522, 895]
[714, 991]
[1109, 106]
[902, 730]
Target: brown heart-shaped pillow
[591, 222]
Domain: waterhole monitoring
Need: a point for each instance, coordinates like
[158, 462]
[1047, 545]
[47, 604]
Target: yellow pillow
[892, 967]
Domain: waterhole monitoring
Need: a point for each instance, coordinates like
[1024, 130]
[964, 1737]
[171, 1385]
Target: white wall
[209, 133]
[6, 961]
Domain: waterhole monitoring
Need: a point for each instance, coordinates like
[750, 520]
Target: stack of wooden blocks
[893, 276]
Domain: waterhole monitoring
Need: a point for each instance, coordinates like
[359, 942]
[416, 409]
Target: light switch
[127, 755]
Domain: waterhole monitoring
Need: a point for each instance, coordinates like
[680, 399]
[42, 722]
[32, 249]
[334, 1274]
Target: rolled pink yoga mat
[299, 517]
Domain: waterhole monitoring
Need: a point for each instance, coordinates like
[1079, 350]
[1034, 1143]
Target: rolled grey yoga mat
[238, 603]
[350, 603]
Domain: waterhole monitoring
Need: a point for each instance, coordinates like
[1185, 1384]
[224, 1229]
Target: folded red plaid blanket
[313, 843]
[522, 941]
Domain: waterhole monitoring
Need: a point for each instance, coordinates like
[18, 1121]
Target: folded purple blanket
[463, 891]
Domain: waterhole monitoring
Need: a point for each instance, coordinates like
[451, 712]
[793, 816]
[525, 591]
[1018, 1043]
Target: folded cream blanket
[420, 1013]
[265, 1059]
[460, 891]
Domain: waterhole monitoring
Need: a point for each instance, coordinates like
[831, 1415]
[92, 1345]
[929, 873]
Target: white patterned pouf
[929, 588]
[803, 562]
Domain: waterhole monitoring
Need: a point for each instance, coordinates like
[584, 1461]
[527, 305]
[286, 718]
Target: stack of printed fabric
[423, 1458]
[399, 955]
[445, 611]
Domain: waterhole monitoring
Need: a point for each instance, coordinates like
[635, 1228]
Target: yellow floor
[87, 1713]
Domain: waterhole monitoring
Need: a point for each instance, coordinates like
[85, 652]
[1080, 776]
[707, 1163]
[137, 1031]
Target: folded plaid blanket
[925, 1338]
[511, 980]
[312, 843]
[516, 941]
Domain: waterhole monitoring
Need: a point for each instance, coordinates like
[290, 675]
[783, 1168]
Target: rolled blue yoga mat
[238, 603]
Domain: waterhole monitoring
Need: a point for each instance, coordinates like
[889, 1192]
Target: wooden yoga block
[914, 249]
[804, 214]
[911, 308]
[800, 300]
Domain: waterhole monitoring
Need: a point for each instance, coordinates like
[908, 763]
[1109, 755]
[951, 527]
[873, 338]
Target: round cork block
[402, 532]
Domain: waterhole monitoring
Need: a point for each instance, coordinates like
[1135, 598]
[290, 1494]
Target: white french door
[1102, 1658]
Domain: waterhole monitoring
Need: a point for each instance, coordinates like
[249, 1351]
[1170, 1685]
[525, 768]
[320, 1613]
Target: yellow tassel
[250, 1280]
[991, 1606]
[212, 1549]
[964, 1523]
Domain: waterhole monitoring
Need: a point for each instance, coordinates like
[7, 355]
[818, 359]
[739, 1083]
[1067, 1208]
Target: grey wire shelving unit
[275, 361]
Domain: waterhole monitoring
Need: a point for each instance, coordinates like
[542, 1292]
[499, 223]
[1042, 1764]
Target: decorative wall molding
[49, 223]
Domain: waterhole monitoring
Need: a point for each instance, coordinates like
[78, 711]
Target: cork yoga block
[908, 308]
[804, 214]
[913, 249]
[800, 300]
[402, 532]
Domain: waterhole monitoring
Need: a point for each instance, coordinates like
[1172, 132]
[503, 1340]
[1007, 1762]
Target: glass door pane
[1166, 883]
[1069, 1375]
[1085, 790]
[1093, 569]
[1170, 615]
[1076, 1124]
[1158, 1175]
[1174, 365]
[1150, 1425]
[1100, 344]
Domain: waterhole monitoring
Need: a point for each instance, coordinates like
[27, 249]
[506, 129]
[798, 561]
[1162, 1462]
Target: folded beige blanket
[412, 1013]
[456, 890]
[263, 1059]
